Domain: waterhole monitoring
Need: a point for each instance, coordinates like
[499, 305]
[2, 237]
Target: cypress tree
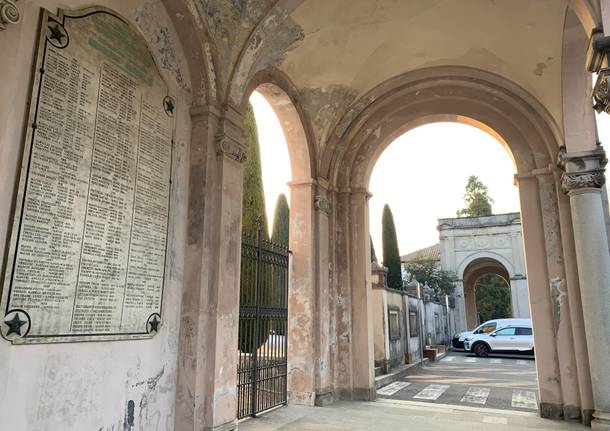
[253, 201]
[253, 207]
[280, 235]
[281, 221]
[391, 256]
[373, 255]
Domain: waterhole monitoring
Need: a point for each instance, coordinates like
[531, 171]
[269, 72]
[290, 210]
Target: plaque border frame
[16, 213]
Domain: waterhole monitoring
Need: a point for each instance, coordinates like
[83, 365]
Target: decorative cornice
[582, 170]
[596, 50]
[601, 92]
[9, 13]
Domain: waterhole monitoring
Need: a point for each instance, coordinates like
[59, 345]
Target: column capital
[582, 169]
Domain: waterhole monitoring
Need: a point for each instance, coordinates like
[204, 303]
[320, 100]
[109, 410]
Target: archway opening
[477, 249]
[492, 295]
[274, 259]
[486, 291]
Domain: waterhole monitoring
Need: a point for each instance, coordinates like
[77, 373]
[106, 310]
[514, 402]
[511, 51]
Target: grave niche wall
[88, 247]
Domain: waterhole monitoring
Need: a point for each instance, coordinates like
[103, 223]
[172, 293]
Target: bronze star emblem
[14, 325]
[168, 104]
[56, 34]
[154, 324]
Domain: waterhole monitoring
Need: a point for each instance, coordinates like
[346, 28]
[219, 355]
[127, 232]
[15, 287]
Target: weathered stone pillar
[576, 313]
[582, 181]
[206, 395]
[363, 379]
[518, 293]
[342, 246]
[547, 364]
[324, 329]
[301, 296]
[570, 407]
[460, 307]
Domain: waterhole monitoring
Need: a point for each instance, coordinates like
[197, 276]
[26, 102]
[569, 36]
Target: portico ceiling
[356, 45]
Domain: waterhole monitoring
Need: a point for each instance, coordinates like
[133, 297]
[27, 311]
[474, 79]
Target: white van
[487, 327]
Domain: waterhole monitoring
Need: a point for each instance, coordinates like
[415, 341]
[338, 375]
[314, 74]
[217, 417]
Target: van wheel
[481, 350]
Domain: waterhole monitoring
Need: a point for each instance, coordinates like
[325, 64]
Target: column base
[601, 421]
[587, 417]
[301, 398]
[571, 413]
[551, 411]
[324, 399]
[364, 394]
[229, 426]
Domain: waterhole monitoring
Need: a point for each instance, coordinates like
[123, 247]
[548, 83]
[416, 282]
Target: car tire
[481, 350]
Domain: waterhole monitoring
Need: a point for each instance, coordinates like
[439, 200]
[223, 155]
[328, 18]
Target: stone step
[378, 371]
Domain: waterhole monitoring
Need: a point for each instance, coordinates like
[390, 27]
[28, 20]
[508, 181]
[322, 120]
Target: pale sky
[274, 154]
[421, 175]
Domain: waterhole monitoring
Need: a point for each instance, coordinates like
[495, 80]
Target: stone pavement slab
[398, 415]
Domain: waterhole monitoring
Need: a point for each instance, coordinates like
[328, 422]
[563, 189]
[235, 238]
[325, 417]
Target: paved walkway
[505, 382]
[385, 415]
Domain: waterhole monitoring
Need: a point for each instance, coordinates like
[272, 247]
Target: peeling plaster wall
[122, 385]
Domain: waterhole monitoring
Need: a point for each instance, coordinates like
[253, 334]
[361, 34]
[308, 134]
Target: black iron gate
[263, 321]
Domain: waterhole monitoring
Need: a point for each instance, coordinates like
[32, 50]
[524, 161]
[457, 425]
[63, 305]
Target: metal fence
[263, 321]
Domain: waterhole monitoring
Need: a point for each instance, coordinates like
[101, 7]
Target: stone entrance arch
[498, 106]
[473, 247]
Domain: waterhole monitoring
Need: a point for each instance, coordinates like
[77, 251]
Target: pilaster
[206, 398]
[302, 321]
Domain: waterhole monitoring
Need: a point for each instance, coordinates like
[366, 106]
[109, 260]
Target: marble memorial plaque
[88, 248]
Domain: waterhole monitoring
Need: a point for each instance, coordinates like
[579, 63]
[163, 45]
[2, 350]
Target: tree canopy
[477, 199]
[429, 272]
[253, 203]
[492, 298]
[391, 256]
[281, 221]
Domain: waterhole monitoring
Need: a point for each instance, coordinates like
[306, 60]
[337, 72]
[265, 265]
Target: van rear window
[524, 331]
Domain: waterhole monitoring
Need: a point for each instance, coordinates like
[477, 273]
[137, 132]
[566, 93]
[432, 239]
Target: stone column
[324, 328]
[206, 397]
[363, 379]
[301, 296]
[582, 181]
[518, 293]
[342, 247]
[547, 363]
[460, 307]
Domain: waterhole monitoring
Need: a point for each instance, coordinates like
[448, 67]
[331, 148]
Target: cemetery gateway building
[121, 162]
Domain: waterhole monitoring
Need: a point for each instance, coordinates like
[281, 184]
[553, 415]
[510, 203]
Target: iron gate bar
[263, 324]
